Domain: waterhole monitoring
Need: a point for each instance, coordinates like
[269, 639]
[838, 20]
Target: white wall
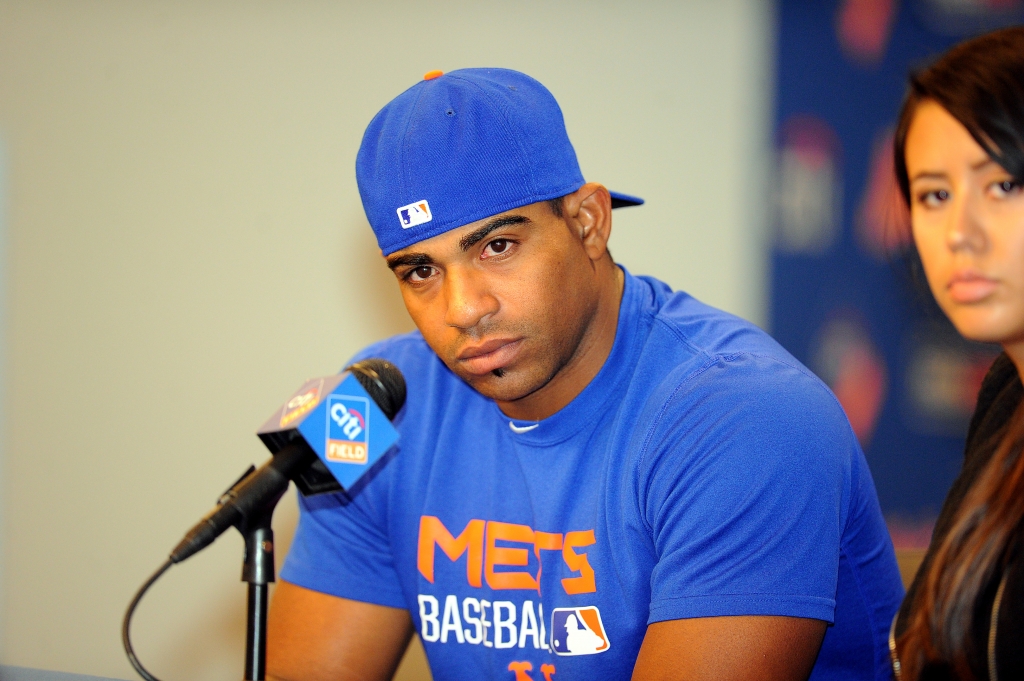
[185, 244]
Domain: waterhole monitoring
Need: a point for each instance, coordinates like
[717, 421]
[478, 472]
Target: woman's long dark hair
[981, 84]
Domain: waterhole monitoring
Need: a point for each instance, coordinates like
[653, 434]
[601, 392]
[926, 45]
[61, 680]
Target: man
[596, 477]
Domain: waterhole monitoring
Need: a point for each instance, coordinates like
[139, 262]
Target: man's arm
[735, 648]
[313, 636]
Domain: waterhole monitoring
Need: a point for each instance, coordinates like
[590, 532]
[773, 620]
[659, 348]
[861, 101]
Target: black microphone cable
[126, 636]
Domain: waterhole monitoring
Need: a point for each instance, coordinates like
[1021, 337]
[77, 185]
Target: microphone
[297, 454]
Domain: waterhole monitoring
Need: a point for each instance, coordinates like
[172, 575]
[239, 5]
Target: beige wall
[185, 244]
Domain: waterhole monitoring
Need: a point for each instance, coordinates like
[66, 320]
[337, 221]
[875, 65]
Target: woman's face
[968, 222]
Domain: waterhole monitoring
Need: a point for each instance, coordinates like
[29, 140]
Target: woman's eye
[1006, 187]
[933, 198]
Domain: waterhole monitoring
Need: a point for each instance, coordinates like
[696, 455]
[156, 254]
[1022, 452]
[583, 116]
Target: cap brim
[624, 200]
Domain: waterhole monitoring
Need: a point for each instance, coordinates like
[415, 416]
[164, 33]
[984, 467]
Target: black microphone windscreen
[383, 381]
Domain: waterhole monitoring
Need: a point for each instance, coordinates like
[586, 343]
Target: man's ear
[588, 211]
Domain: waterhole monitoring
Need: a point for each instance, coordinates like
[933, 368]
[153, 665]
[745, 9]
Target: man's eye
[498, 246]
[419, 273]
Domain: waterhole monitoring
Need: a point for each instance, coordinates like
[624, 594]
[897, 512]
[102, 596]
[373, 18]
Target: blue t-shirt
[703, 472]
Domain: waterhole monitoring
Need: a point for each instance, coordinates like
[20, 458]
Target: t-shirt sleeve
[743, 483]
[341, 549]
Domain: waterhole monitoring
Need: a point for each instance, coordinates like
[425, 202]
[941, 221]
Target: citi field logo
[300, 405]
[347, 429]
[416, 213]
[578, 631]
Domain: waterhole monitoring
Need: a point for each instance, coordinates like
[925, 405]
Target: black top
[1000, 395]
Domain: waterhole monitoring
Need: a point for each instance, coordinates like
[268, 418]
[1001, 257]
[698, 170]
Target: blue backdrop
[845, 297]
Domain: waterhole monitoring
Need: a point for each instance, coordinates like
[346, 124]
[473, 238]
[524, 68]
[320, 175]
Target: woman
[959, 157]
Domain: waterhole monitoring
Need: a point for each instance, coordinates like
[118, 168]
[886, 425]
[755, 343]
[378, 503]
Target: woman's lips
[486, 357]
[970, 287]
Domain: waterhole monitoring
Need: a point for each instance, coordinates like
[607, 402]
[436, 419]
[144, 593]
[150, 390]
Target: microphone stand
[258, 572]
[249, 505]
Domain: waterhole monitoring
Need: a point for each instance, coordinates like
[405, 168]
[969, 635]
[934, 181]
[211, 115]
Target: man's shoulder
[705, 376]
[692, 342]
[719, 395]
[705, 330]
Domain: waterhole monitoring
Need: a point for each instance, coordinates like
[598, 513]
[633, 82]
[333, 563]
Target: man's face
[505, 302]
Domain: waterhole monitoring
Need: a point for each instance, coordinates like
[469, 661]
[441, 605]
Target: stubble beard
[540, 364]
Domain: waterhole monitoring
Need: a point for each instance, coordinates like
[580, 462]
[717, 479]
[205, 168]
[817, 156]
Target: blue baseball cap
[460, 147]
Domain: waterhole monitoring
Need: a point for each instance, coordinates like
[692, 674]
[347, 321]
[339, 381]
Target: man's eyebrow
[465, 243]
[474, 237]
[410, 260]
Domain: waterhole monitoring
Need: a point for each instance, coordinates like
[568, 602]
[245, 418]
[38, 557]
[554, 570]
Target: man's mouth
[489, 356]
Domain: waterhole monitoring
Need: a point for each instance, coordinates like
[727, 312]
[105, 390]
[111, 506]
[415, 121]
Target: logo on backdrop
[809, 195]
[968, 17]
[578, 631]
[852, 366]
[347, 429]
[943, 380]
[416, 213]
[863, 28]
[883, 219]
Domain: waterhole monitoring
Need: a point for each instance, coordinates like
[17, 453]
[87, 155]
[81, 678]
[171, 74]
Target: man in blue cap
[597, 477]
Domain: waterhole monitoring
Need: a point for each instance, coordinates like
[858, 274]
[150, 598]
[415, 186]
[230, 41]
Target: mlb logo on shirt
[578, 631]
[416, 213]
[347, 429]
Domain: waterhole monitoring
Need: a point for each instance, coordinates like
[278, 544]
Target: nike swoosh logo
[521, 429]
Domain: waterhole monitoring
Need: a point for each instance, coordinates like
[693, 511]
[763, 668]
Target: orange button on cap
[431, 75]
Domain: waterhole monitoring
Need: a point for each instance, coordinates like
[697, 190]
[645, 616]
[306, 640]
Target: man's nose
[468, 297]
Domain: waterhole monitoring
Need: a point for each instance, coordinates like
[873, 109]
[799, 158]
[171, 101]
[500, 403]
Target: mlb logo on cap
[578, 631]
[416, 213]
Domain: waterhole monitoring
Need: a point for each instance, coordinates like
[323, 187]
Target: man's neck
[586, 362]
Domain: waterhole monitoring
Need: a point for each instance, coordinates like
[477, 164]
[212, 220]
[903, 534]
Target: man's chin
[501, 385]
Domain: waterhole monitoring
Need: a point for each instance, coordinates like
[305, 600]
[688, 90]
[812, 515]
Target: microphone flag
[340, 422]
